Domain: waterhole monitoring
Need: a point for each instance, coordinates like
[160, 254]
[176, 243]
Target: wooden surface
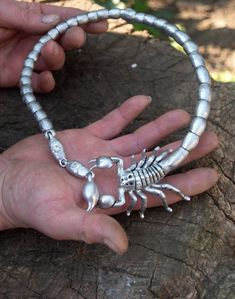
[187, 254]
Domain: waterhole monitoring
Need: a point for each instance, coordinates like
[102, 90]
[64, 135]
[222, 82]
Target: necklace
[142, 176]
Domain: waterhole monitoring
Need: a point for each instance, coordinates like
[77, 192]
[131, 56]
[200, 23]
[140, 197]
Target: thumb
[77, 224]
[26, 17]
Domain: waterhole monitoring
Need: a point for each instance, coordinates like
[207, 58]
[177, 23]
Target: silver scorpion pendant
[140, 178]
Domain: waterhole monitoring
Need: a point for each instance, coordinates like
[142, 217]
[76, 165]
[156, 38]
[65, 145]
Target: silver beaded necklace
[142, 176]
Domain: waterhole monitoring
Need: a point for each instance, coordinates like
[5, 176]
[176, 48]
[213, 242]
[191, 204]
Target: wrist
[5, 222]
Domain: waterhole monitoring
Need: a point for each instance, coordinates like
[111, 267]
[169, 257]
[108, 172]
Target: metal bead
[190, 47]
[57, 149]
[27, 71]
[24, 80]
[44, 39]
[54, 33]
[62, 27]
[203, 75]
[92, 16]
[38, 47]
[106, 201]
[197, 60]
[198, 126]
[29, 63]
[82, 19]
[159, 23]
[40, 115]
[203, 109]
[103, 162]
[34, 106]
[28, 98]
[128, 14]
[103, 14]
[25, 90]
[205, 92]
[76, 168]
[72, 22]
[180, 37]
[34, 55]
[174, 159]
[149, 19]
[169, 29]
[45, 125]
[91, 195]
[139, 17]
[190, 141]
[114, 13]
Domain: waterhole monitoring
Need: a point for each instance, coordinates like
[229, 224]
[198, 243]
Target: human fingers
[43, 82]
[37, 18]
[191, 183]
[150, 134]
[77, 224]
[52, 57]
[115, 121]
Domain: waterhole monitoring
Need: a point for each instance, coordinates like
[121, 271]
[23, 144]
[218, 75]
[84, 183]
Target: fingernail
[114, 247]
[150, 99]
[50, 19]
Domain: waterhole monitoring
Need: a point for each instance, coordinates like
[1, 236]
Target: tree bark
[187, 254]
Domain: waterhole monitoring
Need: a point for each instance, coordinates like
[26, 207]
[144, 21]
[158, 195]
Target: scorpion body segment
[136, 180]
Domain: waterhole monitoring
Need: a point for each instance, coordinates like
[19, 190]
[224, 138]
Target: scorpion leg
[133, 202]
[172, 188]
[144, 202]
[143, 159]
[161, 195]
[121, 198]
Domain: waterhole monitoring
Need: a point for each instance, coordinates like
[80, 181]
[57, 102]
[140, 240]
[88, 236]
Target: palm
[47, 198]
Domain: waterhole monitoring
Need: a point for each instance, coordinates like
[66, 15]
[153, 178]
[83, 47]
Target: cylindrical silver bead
[169, 29]
[28, 98]
[174, 159]
[205, 92]
[114, 13]
[26, 89]
[45, 125]
[44, 39]
[128, 14]
[34, 55]
[54, 33]
[149, 19]
[103, 14]
[203, 75]
[76, 168]
[40, 115]
[190, 47]
[25, 80]
[190, 141]
[34, 106]
[180, 37]
[203, 109]
[29, 63]
[72, 22]
[62, 27]
[197, 60]
[198, 126]
[139, 17]
[27, 71]
[92, 16]
[38, 47]
[159, 23]
[82, 19]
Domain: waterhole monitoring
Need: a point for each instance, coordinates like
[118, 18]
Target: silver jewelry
[142, 176]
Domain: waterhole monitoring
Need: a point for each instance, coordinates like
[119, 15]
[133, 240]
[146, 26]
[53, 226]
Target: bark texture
[187, 254]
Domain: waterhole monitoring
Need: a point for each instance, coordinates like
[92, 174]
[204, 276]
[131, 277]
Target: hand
[37, 193]
[21, 25]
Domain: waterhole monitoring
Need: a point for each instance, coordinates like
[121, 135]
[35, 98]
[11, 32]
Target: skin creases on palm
[38, 193]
